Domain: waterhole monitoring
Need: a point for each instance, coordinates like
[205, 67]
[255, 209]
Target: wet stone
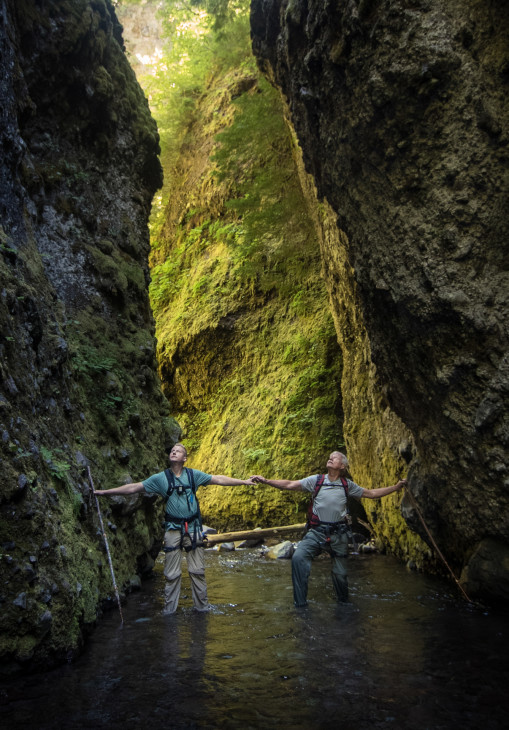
[29, 573]
[135, 583]
[21, 601]
[45, 596]
[227, 547]
[22, 481]
[282, 551]
[44, 623]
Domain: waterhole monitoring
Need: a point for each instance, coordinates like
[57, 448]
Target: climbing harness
[106, 545]
[187, 542]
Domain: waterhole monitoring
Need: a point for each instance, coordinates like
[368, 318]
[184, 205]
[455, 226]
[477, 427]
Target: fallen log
[254, 534]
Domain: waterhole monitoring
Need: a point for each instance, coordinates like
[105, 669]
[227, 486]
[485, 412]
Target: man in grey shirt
[327, 525]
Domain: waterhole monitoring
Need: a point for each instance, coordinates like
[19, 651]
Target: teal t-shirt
[184, 505]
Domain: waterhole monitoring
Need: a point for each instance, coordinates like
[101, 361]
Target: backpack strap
[183, 521]
[313, 520]
[318, 485]
[190, 478]
[170, 478]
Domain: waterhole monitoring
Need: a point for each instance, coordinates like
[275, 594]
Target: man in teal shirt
[183, 526]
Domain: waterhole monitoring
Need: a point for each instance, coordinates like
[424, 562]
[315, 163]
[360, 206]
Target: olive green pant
[313, 543]
[173, 573]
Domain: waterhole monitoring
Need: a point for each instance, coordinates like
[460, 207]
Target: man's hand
[257, 479]
[99, 492]
[402, 483]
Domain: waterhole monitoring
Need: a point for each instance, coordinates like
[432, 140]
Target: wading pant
[173, 574]
[309, 547]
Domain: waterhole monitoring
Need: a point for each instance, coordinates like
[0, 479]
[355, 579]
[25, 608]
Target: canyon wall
[78, 382]
[247, 350]
[402, 115]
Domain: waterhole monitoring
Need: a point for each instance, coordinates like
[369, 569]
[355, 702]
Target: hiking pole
[415, 506]
[106, 544]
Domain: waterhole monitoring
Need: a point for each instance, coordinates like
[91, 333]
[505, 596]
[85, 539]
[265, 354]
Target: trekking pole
[107, 545]
[415, 506]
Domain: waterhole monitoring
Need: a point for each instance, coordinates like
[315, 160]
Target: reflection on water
[404, 654]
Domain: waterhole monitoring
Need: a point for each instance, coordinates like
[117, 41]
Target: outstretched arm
[229, 481]
[293, 485]
[125, 489]
[383, 491]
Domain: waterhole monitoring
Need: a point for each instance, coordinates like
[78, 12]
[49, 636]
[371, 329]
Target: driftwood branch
[254, 534]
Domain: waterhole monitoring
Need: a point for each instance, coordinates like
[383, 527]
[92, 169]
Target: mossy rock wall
[248, 354]
[78, 379]
[402, 113]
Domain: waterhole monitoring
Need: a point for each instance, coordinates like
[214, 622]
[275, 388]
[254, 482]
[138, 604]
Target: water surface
[405, 653]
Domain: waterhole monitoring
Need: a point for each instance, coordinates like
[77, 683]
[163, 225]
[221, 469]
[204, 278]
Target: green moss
[247, 347]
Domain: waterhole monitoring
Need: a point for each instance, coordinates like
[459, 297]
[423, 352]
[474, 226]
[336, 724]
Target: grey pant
[173, 574]
[309, 547]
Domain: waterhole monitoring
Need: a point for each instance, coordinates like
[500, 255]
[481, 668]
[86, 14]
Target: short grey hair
[343, 459]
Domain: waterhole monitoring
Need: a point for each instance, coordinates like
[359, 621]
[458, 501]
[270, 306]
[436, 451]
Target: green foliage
[89, 360]
[57, 467]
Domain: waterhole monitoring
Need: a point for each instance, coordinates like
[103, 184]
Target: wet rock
[134, 582]
[368, 547]
[209, 530]
[29, 573]
[281, 551]
[45, 596]
[22, 481]
[124, 456]
[44, 623]
[226, 547]
[81, 460]
[21, 601]
[485, 574]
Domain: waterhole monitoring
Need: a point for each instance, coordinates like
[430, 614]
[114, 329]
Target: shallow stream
[405, 653]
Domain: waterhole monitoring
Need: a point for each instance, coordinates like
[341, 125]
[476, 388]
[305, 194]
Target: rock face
[247, 350]
[401, 110]
[78, 377]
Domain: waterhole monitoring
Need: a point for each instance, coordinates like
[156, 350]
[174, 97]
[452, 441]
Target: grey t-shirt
[330, 502]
